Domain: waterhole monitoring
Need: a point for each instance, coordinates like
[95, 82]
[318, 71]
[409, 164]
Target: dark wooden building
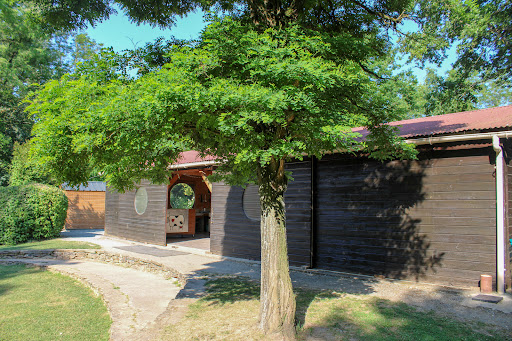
[443, 218]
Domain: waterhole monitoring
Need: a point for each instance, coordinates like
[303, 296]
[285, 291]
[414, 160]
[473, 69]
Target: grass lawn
[51, 244]
[230, 309]
[41, 305]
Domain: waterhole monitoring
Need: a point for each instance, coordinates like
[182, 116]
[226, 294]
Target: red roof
[192, 157]
[498, 118]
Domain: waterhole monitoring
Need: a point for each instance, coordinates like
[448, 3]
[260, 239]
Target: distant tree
[31, 53]
[481, 32]
[494, 94]
[25, 168]
[84, 48]
[480, 29]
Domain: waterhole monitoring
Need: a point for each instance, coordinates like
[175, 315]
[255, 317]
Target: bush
[31, 212]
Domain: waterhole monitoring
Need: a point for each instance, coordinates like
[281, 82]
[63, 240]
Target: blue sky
[118, 32]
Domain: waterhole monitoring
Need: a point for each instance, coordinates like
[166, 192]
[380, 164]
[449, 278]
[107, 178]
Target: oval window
[251, 202]
[182, 196]
[141, 200]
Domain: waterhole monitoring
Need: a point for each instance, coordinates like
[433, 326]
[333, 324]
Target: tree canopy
[242, 96]
[251, 98]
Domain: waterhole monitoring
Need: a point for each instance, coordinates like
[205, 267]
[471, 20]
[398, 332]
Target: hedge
[31, 212]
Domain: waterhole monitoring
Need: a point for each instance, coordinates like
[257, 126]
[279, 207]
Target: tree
[25, 169]
[481, 33]
[31, 53]
[479, 28]
[252, 98]
[85, 48]
[28, 55]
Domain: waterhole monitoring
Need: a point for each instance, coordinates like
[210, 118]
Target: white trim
[193, 164]
[500, 216]
[460, 137]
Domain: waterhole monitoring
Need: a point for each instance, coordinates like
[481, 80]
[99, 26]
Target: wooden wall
[432, 220]
[234, 234]
[121, 220]
[86, 210]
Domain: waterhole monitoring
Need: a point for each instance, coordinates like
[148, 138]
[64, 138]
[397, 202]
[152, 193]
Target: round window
[251, 203]
[141, 200]
[182, 196]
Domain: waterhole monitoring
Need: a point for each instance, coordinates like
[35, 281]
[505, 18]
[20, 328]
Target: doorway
[189, 208]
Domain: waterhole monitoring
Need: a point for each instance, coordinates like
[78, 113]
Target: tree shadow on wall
[403, 251]
[82, 215]
[378, 207]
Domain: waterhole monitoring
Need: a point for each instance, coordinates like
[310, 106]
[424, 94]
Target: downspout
[500, 222]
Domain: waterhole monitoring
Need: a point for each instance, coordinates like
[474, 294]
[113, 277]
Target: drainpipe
[500, 209]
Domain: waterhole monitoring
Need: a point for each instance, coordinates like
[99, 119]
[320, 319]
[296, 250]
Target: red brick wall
[86, 210]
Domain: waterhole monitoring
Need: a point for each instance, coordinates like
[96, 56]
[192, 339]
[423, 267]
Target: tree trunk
[277, 300]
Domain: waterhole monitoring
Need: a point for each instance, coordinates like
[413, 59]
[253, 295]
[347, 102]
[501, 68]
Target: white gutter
[460, 137]
[193, 164]
[500, 210]
[500, 203]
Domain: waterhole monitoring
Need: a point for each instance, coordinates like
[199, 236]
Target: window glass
[141, 200]
[182, 197]
[251, 202]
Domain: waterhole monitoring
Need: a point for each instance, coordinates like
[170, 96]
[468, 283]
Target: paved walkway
[142, 303]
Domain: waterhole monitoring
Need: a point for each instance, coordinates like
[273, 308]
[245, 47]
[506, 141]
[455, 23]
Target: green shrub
[31, 212]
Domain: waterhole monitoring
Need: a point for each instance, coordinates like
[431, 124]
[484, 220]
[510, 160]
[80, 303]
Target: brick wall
[86, 210]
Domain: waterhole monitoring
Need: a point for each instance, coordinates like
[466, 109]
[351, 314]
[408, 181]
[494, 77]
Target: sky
[118, 32]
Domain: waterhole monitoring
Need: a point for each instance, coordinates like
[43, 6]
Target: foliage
[182, 196]
[450, 94]
[243, 96]
[479, 28]
[31, 212]
[30, 55]
[323, 15]
[42, 305]
[25, 169]
[84, 49]
[479, 32]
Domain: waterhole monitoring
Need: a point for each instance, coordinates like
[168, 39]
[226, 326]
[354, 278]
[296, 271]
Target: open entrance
[188, 212]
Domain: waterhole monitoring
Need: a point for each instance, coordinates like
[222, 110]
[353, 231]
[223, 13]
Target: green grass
[51, 244]
[41, 305]
[230, 309]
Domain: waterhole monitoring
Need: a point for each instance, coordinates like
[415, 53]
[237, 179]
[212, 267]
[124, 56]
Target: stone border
[101, 256]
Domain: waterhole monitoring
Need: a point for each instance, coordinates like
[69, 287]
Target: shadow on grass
[8, 271]
[329, 315]
[231, 289]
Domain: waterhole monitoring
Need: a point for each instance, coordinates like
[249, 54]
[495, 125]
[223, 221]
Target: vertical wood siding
[122, 221]
[86, 210]
[431, 220]
[234, 234]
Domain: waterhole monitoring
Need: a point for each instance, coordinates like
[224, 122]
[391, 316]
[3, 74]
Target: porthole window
[251, 203]
[141, 200]
[182, 196]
